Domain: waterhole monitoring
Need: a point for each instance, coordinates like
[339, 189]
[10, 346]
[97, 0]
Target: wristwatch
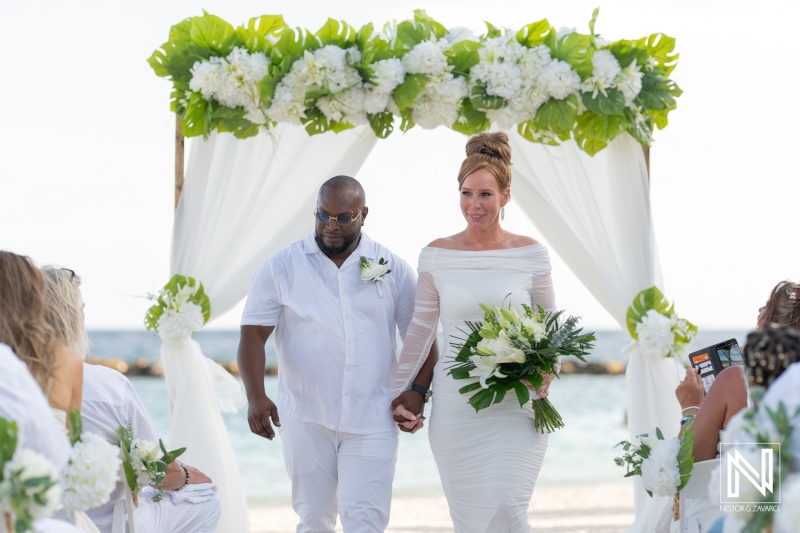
[426, 393]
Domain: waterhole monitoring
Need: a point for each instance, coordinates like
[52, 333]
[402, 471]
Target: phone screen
[702, 362]
[729, 354]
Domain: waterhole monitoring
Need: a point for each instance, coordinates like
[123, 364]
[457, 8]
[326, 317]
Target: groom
[335, 334]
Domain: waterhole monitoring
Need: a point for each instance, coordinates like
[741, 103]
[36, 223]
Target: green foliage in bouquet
[142, 463]
[508, 348]
[616, 87]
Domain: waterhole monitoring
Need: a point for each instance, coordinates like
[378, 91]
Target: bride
[488, 461]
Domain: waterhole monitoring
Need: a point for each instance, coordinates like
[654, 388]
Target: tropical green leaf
[558, 116]
[470, 121]
[197, 116]
[523, 394]
[660, 48]
[595, 131]
[405, 94]
[611, 103]
[381, 123]
[575, 49]
[463, 56]
[592, 22]
[433, 28]
[626, 52]
[492, 31]
[460, 373]
[75, 425]
[8, 440]
[336, 32]
[482, 101]
[213, 33]
[646, 300]
[406, 120]
[409, 35]
[641, 131]
[291, 46]
[536, 33]
[685, 457]
[255, 35]
[316, 122]
[659, 117]
[482, 399]
[469, 388]
[658, 93]
[529, 131]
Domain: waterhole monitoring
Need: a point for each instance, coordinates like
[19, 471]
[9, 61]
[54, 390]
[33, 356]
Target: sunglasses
[71, 273]
[341, 220]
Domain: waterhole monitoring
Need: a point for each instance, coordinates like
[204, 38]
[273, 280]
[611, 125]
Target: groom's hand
[407, 410]
[259, 413]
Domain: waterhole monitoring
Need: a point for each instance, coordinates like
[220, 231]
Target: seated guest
[108, 402]
[22, 401]
[23, 327]
[728, 394]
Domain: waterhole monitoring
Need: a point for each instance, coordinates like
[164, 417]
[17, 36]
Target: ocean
[592, 406]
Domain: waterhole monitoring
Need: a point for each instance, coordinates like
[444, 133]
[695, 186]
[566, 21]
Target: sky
[86, 146]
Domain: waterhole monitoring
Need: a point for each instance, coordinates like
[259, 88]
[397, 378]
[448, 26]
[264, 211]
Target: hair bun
[494, 144]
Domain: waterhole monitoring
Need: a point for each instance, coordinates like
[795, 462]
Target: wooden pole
[179, 161]
[646, 150]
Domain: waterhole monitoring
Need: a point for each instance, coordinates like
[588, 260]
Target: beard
[328, 250]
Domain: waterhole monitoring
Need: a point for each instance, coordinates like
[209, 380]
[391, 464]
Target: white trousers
[333, 471]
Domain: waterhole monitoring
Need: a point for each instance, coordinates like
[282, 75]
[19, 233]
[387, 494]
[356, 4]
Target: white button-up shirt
[335, 334]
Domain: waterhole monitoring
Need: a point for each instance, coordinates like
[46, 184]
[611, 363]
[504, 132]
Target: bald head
[345, 184]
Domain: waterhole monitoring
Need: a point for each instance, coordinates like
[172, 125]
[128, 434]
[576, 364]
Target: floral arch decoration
[551, 85]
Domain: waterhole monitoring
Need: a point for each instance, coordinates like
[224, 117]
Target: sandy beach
[606, 508]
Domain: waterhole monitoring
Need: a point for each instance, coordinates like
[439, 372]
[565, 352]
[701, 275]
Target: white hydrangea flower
[427, 58]
[655, 335]
[327, 68]
[91, 474]
[558, 79]
[233, 81]
[176, 324]
[143, 452]
[389, 73]
[534, 328]
[32, 465]
[438, 103]
[629, 82]
[604, 73]
[787, 520]
[660, 471]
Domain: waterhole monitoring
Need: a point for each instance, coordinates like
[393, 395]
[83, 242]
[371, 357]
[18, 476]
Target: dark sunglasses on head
[71, 273]
[341, 220]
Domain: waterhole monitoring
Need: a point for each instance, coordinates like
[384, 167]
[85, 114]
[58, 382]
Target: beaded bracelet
[690, 407]
[186, 471]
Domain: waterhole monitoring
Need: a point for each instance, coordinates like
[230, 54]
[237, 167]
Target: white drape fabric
[242, 201]
[595, 213]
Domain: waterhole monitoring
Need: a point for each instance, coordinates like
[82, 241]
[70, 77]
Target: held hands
[259, 413]
[690, 392]
[407, 410]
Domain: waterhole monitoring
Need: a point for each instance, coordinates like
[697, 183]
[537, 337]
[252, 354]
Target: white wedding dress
[488, 461]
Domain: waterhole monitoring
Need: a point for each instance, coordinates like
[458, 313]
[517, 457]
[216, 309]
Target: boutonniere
[372, 271]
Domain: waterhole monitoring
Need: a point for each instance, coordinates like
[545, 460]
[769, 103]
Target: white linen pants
[182, 517]
[334, 471]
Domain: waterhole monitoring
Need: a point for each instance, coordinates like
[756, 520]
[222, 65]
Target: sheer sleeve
[421, 332]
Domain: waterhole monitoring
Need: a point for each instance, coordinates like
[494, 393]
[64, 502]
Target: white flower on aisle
[91, 474]
[660, 471]
[656, 329]
[655, 334]
[29, 487]
[181, 308]
[664, 464]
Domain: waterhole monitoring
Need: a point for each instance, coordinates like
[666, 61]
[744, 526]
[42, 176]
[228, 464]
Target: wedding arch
[274, 110]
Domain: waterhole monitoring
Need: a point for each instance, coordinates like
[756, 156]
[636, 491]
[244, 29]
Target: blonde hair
[64, 310]
[22, 321]
[489, 151]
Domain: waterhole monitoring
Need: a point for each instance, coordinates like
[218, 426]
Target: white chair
[695, 489]
[122, 519]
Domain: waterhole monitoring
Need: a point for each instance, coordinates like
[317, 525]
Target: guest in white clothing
[335, 335]
[22, 401]
[110, 401]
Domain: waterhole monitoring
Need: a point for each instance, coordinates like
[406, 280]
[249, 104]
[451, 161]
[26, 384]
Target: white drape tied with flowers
[595, 213]
[242, 201]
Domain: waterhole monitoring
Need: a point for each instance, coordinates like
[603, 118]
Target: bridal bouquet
[29, 487]
[145, 463]
[509, 348]
[664, 464]
[93, 468]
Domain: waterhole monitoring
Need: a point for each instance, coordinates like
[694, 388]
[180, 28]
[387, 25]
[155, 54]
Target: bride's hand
[544, 388]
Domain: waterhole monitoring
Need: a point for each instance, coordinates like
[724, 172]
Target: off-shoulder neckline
[489, 250]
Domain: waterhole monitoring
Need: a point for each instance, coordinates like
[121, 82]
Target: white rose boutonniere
[374, 271]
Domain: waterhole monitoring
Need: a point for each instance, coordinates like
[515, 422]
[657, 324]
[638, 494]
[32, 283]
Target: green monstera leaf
[536, 33]
[595, 131]
[405, 94]
[577, 50]
[255, 36]
[646, 300]
[338, 33]
[470, 120]
[558, 116]
[213, 33]
[381, 123]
